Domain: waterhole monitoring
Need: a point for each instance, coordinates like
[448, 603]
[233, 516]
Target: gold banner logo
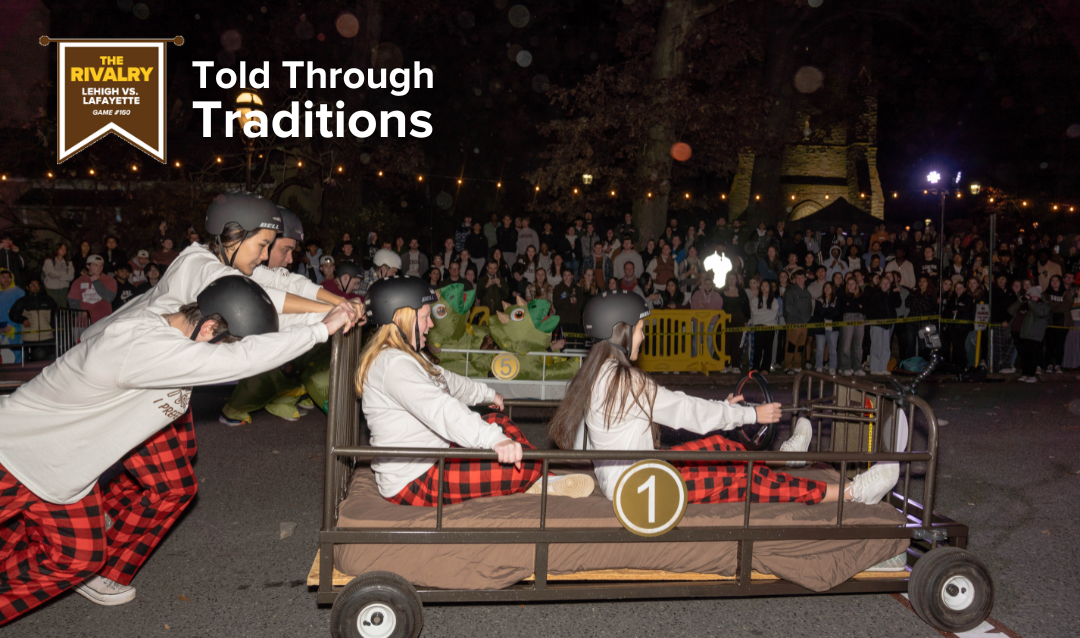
[111, 86]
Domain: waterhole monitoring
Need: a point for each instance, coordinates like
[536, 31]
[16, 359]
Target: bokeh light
[519, 15]
[524, 58]
[1073, 130]
[444, 200]
[808, 79]
[305, 30]
[680, 151]
[231, 40]
[347, 25]
[814, 4]
[141, 11]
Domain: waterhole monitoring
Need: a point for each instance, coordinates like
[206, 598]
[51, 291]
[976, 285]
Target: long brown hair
[627, 382]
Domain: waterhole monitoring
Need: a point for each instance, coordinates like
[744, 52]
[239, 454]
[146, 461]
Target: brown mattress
[816, 565]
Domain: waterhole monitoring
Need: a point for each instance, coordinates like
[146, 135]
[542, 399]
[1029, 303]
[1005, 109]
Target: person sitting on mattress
[621, 407]
[410, 402]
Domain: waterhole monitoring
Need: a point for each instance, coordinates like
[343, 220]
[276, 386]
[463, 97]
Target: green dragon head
[522, 328]
[450, 313]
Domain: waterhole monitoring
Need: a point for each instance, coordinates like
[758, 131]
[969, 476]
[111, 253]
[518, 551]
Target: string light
[380, 173]
[649, 195]
[1023, 203]
[757, 197]
[925, 192]
[862, 195]
[420, 178]
[459, 182]
[219, 160]
[1072, 209]
[991, 200]
[134, 168]
[575, 191]
[91, 171]
[299, 164]
[686, 195]
[177, 164]
[537, 189]
[826, 197]
[3, 177]
[895, 195]
[959, 195]
[613, 193]
[723, 195]
[50, 174]
[1055, 206]
[792, 198]
[498, 185]
[341, 169]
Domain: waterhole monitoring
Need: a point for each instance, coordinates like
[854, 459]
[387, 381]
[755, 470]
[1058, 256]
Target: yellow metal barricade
[685, 341]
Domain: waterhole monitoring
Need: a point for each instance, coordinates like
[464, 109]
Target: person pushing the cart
[91, 408]
[621, 407]
[410, 402]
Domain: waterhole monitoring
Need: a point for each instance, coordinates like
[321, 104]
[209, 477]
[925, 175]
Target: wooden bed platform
[340, 579]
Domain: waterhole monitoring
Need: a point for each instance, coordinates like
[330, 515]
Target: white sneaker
[1038, 370]
[1030, 379]
[860, 373]
[105, 592]
[799, 441]
[817, 369]
[1008, 371]
[847, 373]
[571, 485]
[873, 484]
[807, 366]
[1057, 369]
[792, 371]
[897, 563]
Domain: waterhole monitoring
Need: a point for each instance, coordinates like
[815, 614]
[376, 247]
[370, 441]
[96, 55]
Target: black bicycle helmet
[350, 268]
[609, 309]
[249, 210]
[291, 226]
[386, 296]
[242, 303]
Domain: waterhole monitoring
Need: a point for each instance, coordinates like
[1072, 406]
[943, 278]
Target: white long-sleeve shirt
[633, 431]
[192, 271]
[114, 390]
[406, 407]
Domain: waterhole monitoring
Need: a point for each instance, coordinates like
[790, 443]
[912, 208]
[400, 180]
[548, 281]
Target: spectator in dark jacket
[881, 303]
[113, 256]
[798, 308]
[827, 309]
[1032, 331]
[36, 311]
[462, 233]
[506, 239]
[477, 246]
[10, 259]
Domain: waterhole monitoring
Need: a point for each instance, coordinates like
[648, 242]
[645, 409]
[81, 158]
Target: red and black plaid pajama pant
[465, 479]
[709, 482]
[145, 501]
[45, 548]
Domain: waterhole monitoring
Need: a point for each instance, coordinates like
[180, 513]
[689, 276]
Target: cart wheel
[951, 589]
[377, 605]
[754, 436]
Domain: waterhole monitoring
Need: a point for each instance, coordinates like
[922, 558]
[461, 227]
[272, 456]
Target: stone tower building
[821, 167]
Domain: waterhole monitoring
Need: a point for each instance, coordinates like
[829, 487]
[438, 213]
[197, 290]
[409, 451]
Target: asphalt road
[1006, 460]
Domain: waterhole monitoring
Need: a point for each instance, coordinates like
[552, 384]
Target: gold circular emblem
[505, 366]
[650, 498]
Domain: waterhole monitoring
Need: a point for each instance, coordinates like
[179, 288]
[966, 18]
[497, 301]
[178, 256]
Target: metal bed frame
[820, 397]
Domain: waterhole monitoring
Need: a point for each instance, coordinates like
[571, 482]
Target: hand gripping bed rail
[857, 440]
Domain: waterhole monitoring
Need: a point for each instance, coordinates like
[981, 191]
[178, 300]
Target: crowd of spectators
[779, 277]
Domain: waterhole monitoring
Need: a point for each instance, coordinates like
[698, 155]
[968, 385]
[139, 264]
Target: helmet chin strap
[620, 348]
[416, 331]
[198, 329]
[235, 252]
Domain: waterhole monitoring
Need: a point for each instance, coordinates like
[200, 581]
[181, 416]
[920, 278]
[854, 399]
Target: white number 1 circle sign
[650, 498]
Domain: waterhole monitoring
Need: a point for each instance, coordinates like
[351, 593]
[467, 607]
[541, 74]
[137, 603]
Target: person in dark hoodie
[826, 310]
[881, 303]
[36, 311]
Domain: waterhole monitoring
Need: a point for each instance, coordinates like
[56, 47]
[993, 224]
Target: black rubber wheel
[951, 589]
[377, 605]
[754, 436]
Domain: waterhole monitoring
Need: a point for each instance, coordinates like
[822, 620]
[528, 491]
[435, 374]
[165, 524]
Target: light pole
[247, 102]
[934, 177]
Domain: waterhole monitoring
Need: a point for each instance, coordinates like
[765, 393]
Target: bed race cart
[378, 563]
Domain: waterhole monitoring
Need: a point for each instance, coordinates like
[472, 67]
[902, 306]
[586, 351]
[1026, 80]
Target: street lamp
[975, 188]
[934, 177]
[247, 102]
[586, 179]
